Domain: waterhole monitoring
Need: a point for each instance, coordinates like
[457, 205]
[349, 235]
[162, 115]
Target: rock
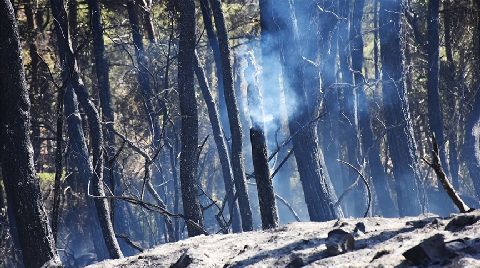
[461, 221]
[183, 262]
[296, 262]
[339, 242]
[430, 251]
[360, 227]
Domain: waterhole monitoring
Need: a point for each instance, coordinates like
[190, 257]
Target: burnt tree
[189, 114]
[18, 172]
[233, 118]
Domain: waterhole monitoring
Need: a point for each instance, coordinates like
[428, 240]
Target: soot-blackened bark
[76, 90]
[266, 194]
[189, 114]
[370, 147]
[221, 146]
[395, 102]
[18, 172]
[233, 118]
[318, 191]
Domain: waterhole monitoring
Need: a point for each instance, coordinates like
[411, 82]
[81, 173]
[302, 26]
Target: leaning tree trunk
[214, 45]
[395, 102]
[18, 172]
[318, 191]
[189, 114]
[76, 89]
[233, 118]
[370, 147]
[221, 146]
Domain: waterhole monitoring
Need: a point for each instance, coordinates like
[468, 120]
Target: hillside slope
[378, 241]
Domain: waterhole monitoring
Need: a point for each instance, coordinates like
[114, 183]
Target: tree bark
[266, 194]
[189, 114]
[221, 146]
[395, 102]
[18, 172]
[233, 118]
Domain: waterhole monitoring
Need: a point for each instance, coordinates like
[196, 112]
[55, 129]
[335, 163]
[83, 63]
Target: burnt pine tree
[318, 190]
[370, 148]
[189, 114]
[76, 91]
[395, 102]
[221, 145]
[18, 172]
[233, 118]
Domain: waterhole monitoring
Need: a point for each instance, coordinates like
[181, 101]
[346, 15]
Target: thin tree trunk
[75, 88]
[452, 88]
[434, 102]
[213, 42]
[395, 102]
[233, 118]
[221, 146]
[18, 172]
[189, 114]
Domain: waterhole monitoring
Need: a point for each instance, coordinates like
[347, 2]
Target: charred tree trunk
[395, 102]
[318, 191]
[433, 51]
[233, 118]
[214, 45]
[221, 146]
[189, 114]
[18, 172]
[266, 194]
[76, 89]
[370, 147]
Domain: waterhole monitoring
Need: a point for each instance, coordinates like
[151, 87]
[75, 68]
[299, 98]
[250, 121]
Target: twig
[354, 184]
